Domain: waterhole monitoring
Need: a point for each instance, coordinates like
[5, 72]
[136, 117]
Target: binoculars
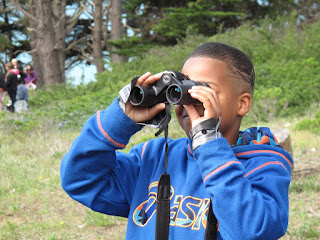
[172, 87]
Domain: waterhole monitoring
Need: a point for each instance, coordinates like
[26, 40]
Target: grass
[304, 208]
[33, 205]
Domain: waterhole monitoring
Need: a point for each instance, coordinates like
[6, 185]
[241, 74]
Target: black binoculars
[172, 87]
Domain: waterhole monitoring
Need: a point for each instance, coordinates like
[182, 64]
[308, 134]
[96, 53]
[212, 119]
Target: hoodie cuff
[204, 132]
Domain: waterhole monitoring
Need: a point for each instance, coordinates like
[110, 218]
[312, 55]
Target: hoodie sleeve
[248, 187]
[93, 172]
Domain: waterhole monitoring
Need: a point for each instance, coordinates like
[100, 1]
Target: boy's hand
[143, 114]
[211, 105]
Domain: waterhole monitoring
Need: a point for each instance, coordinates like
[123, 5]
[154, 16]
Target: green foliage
[200, 16]
[285, 60]
[130, 46]
[312, 125]
[3, 43]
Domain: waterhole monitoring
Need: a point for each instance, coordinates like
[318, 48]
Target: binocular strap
[163, 201]
[163, 208]
[211, 229]
[163, 197]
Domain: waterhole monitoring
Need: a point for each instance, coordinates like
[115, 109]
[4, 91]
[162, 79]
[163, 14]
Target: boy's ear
[245, 101]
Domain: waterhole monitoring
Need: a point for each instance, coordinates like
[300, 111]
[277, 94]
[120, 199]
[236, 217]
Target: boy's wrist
[205, 132]
[124, 96]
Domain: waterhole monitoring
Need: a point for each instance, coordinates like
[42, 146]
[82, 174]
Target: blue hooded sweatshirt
[247, 183]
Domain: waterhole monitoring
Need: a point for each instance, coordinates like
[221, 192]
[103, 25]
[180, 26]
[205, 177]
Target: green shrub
[285, 58]
[312, 125]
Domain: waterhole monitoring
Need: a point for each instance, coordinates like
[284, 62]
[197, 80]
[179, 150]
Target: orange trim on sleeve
[144, 147]
[263, 151]
[263, 165]
[219, 169]
[190, 150]
[106, 134]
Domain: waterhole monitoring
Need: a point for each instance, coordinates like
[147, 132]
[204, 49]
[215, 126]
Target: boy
[245, 175]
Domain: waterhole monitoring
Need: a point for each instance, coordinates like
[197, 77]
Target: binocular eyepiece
[172, 87]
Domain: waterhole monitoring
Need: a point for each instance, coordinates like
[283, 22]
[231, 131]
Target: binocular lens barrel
[174, 94]
[136, 96]
[167, 89]
[178, 93]
[146, 96]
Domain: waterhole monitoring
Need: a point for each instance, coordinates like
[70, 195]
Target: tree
[116, 29]
[200, 17]
[96, 36]
[165, 22]
[48, 27]
[13, 36]
[97, 45]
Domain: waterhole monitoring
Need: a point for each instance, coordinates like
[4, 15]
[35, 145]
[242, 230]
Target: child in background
[31, 77]
[246, 175]
[22, 91]
[22, 97]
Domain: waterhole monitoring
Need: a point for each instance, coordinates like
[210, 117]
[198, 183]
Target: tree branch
[60, 20]
[73, 21]
[87, 9]
[32, 29]
[136, 30]
[68, 48]
[25, 12]
[30, 52]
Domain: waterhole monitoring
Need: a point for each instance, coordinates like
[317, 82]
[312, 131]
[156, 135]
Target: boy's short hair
[237, 61]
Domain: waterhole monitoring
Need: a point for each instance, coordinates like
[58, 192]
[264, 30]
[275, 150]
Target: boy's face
[215, 74]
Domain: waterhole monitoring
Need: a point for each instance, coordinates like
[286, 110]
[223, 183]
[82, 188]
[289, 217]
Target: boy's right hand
[143, 114]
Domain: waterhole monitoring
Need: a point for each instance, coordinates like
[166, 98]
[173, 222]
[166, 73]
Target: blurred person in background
[31, 77]
[11, 84]
[2, 89]
[21, 103]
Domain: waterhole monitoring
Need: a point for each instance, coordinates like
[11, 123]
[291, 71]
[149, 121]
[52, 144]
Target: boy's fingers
[209, 110]
[142, 78]
[152, 79]
[192, 112]
[153, 111]
[209, 100]
[147, 79]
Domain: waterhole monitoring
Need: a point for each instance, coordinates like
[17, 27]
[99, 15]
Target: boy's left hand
[211, 105]
[143, 114]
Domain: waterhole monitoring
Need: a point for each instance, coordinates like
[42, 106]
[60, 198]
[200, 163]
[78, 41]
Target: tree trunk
[116, 28]
[9, 34]
[45, 46]
[33, 42]
[97, 37]
[59, 20]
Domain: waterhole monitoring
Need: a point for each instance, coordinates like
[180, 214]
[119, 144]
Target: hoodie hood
[257, 136]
